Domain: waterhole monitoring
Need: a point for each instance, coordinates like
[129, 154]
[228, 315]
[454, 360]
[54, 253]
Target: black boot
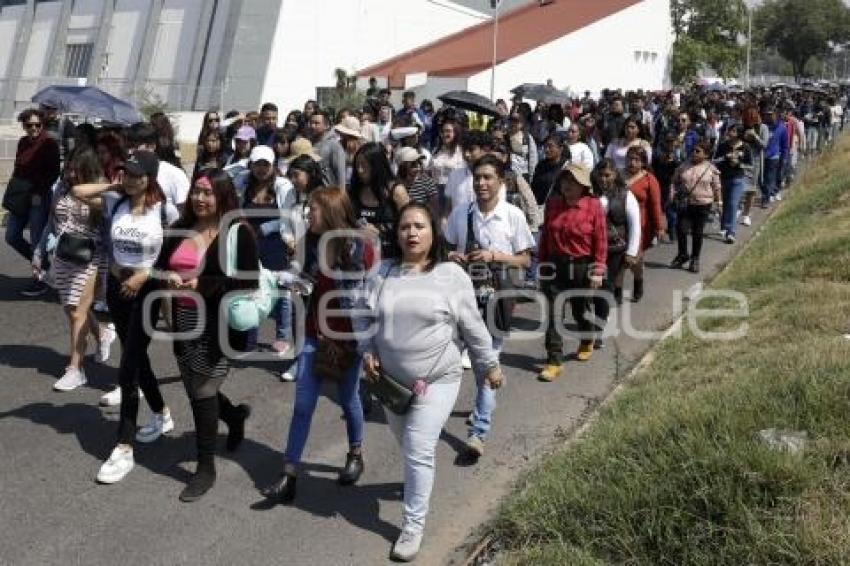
[694, 266]
[283, 490]
[235, 418]
[679, 262]
[201, 481]
[637, 294]
[205, 412]
[353, 469]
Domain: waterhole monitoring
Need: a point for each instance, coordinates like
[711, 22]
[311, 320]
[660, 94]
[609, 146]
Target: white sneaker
[104, 346]
[778, 197]
[100, 306]
[111, 399]
[465, 362]
[287, 376]
[746, 221]
[70, 380]
[157, 425]
[118, 465]
[407, 546]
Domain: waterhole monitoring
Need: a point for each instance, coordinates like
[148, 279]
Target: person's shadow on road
[323, 496]
[51, 363]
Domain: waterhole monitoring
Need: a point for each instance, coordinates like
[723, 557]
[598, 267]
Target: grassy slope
[673, 473]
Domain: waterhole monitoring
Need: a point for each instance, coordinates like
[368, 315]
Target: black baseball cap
[141, 163]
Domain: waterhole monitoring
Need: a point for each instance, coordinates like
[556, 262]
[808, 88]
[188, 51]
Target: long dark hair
[225, 197]
[309, 166]
[596, 178]
[166, 146]
[436, 253]
[380, 173]
[204, 155]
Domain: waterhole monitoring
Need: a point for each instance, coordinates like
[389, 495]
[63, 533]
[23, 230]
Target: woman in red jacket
[573, 251]
[644, 186]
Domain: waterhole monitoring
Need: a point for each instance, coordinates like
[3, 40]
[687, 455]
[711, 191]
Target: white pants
[417, 433]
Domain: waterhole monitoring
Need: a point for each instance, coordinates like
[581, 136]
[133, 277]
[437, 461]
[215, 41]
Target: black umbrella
[466, 100]
[88, 101]
[542, 93]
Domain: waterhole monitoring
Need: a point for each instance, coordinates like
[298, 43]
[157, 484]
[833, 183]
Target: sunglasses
[32, 125]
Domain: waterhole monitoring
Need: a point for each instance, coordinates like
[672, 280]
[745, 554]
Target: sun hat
[350, 126]
[579, 172]
[245, 133]
[302, 146]
[262, 153]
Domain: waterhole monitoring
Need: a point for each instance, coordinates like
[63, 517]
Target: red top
[37, 161]
[325, 284]
[648, 194]
[576, 231]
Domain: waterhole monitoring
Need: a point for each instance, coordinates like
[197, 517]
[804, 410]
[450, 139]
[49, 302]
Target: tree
[802, 29]
[707, 33]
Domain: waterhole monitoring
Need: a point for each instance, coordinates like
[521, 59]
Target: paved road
[52, 444]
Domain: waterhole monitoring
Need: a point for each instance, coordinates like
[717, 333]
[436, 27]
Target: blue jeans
[307, 389]
[733, 189]
[282, 314]
[770, 185]
[485, 401]
[36, 220]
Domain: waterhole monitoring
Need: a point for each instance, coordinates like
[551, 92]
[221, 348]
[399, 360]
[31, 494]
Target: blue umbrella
[88, 101]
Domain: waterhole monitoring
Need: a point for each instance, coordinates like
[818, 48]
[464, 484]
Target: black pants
[203, 368]
[692, 220]
[135, 371]
[569, 275]
[602, 304]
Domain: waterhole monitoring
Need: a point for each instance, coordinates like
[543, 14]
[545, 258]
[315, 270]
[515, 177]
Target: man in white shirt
[488, 235]
[172, 180]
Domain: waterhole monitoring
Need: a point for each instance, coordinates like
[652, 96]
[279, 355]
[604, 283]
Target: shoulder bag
[488, 282]
[17, 198]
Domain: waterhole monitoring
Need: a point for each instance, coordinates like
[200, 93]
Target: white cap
[262, 153]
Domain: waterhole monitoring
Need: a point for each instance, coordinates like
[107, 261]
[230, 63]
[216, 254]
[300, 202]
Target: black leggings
[692, 220]
[135, 370]
[569, 275]
[602, 304]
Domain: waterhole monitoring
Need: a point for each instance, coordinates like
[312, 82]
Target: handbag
[489, 282]
[248, 309]
[75, 249]
[333, 358]
[17, 198]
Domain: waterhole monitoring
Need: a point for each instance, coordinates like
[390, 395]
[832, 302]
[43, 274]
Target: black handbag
[390, 393]
[75, 249]
[17, 198]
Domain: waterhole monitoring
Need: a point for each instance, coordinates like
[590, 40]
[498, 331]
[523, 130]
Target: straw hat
[302, 146]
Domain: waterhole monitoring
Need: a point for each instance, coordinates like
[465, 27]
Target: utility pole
[749, 41]
[495, 4]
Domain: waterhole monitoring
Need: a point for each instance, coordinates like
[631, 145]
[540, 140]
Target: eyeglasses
[36, 125]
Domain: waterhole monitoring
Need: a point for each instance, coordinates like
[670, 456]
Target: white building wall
[43, 27]
[629, 49]
[10, 19]
[125, 38]
[310, 44]
[84, 21]
[172, 56]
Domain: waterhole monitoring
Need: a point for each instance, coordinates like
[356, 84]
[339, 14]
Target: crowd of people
[396, 232]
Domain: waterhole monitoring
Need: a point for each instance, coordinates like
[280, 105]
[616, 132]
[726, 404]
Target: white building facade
[202, 54]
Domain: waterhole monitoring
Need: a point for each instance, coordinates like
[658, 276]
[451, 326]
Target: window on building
[78, 59]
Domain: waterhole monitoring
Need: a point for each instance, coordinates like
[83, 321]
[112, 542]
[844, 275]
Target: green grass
[673, 471]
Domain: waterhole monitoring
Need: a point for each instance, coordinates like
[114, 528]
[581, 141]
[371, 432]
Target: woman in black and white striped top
[76, 278]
